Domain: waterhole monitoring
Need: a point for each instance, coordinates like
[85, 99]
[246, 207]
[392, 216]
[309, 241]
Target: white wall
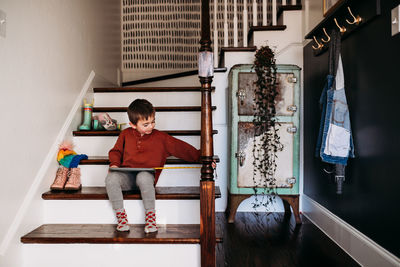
[50, 49]
[312, 14]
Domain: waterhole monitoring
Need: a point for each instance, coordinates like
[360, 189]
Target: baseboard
[49, 159]
[361, 248]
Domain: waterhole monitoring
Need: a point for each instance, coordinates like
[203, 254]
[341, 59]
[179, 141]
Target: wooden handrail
[207, 184]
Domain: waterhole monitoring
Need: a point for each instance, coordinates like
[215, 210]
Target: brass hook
[356, 20]
[319, 45]
[329, 38]
[342, 29]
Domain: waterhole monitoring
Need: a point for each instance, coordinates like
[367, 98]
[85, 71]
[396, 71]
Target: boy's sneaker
[151, 225]
[122, 218]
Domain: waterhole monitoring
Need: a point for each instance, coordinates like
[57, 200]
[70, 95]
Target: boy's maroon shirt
[150, 150]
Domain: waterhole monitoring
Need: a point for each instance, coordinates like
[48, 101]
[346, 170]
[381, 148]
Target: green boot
[87, 116]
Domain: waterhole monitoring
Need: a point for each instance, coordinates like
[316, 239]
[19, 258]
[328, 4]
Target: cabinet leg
[293, 201]
[233, 203]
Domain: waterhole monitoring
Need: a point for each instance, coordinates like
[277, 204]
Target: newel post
[207, 189]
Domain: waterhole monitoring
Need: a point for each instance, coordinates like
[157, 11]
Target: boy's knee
[111, 179]
[144, 179]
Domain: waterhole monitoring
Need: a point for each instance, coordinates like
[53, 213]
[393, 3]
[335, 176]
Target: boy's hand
[112, 167]
[214, 164]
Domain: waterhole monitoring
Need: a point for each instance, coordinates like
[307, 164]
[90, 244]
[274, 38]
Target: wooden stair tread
[287, 8]
[264, 28]
[106, 234]
[99, 193]
[158, 109]
[148, 89]
[238, 49]
[234, 49]
[116, 133]
[103, 160]
[268, 28]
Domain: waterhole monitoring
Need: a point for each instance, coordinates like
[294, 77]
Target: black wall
[371, 61]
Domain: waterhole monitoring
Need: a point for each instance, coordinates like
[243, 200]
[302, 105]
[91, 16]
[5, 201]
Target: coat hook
[342, 29]
[356, 20]
[329, 38]
[319, 45]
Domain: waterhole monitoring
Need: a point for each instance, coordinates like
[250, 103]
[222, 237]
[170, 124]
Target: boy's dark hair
[140, 109]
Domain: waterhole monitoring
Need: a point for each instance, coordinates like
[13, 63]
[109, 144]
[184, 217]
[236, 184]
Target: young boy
[142, 146]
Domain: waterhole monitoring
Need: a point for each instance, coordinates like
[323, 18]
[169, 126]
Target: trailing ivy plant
[266, 127]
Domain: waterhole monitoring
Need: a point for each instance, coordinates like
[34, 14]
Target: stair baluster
[274, 13]
[245, 23]
[215, 25]
[207, 186]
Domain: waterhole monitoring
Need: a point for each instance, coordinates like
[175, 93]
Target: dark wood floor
[261, 240]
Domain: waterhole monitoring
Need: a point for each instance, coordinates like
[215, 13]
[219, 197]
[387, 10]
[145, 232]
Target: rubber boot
[61, 179]
[87, 116]
[96, 124]
[74, 180]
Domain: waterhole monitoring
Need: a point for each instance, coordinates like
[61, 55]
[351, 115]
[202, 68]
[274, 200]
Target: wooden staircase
[73, 229]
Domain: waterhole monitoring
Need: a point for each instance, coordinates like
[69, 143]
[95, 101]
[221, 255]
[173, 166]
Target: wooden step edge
[158, 109]
[223, 69]
[105, 161]
[238, 49]
[264, 28]
[148, 89]
[281, 10]
[233, 49]
[106, 234]
[288, 8]
[116, 133]
[99, 193]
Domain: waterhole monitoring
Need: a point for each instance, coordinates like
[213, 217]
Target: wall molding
[360, 247]
[49, 159]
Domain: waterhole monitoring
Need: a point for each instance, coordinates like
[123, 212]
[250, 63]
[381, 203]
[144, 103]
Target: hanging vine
[266, 139]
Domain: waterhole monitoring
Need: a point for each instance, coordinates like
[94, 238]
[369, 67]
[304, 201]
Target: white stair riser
[94, 175]
[158, 99]
[192, 80]
[106, 255]
[167, 120]
[101, 145]
[100, 211]
[232, 58]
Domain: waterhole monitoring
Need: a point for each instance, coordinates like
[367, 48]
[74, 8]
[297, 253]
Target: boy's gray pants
[117, 181]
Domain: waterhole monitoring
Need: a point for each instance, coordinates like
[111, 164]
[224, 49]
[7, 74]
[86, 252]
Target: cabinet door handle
[292, 108]
[291, 129]
[242, 95]
[292, 79]
[242, 156]
[291, 180]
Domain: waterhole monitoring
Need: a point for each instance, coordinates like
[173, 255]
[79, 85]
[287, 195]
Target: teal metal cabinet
[241, 114]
